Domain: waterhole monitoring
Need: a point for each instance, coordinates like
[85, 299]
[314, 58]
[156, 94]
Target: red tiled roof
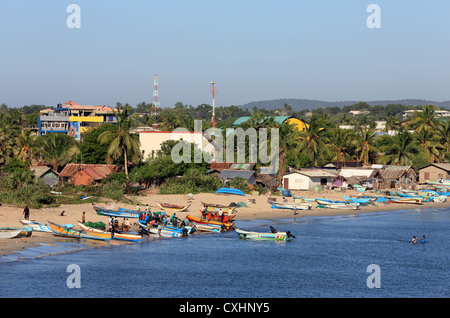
[96, 171]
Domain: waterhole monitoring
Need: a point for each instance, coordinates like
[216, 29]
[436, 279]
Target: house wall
[297, 181]
[151, 140]
[81, 178]
[434, 173]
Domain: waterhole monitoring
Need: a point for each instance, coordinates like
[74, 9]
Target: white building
[308, 179]
[151, 141]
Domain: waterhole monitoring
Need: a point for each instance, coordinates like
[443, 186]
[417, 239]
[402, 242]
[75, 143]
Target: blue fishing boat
[357, 200]
[230, 191]
[117, 213]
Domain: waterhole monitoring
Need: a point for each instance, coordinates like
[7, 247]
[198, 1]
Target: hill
[301, 104]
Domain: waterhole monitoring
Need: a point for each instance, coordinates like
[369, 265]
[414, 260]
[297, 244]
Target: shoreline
[10, 216]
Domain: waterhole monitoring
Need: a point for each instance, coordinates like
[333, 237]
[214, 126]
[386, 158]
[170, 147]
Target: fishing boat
[338, 204]
[230, 191]
[13, 232]
[290, 206]
[41, 227]
[115, 236]
[444, 183]
[211, 207]
[173, 207]
[118, 213]
[357, 200]
[206, 228]
[214, 216]
[227, 225]
[165, 231]
[248, 235]
[59, 230]
[303, 198]
[405, 201]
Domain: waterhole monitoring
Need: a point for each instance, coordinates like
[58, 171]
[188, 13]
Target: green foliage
[114, 190]
[240, 183]
[194, 181]
[92, 150]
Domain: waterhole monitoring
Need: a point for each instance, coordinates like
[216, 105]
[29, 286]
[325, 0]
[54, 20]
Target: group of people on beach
[115, 227]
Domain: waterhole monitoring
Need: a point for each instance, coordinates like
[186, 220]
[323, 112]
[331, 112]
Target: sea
[353, 256]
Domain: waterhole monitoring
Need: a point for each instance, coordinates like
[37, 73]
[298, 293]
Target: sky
[254, 50]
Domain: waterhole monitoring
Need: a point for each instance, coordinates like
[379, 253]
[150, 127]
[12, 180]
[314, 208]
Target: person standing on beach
[83, 218]
[26, 213]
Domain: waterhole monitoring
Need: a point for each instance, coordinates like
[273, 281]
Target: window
[323, 181]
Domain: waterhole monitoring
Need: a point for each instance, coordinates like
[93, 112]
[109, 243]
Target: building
[279, 119]
[394, 177]
[434, 171]
[228, 175]
[45, 174]
[86, 174]
[309, 179]
[73, 119]
[151, 141]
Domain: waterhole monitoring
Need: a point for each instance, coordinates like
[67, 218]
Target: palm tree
[57, 149]
[121, 141]
[365, 141]
[312, 142]
[401, 151]
[428, 139]
[443, 132]
[26, 146]
[289, 146]
[393, 123]
[341, 143]
[424, 119]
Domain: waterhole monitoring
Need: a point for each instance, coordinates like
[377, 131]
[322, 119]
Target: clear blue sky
[254, 49]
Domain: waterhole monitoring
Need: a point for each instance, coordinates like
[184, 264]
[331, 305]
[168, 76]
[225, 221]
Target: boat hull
[247, 235]
[290, 206]
[118, 214]
[115, 235]
[173, 208]
[58, 230]
[193, 219]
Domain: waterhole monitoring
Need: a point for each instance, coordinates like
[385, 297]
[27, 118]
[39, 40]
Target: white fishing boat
[290, 206]
[338, 204]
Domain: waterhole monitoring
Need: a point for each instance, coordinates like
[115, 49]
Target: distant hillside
[300, 104]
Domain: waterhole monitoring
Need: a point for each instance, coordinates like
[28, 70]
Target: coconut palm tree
[312, 140]
[289, 145]
[443, 131]
[365, 140]
[425, 119]
[57, 149]
[341, 143]
[121, 141]
[428, 140]
[401, 151]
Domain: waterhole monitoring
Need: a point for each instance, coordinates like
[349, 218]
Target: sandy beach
[10, 216]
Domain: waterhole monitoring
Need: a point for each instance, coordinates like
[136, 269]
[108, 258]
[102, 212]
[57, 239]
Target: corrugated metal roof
[236, 173]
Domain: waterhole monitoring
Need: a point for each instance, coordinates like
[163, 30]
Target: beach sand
[10, 216]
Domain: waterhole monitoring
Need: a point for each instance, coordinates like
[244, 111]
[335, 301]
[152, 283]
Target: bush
[114, 190]
[240, 183]
[195, 181]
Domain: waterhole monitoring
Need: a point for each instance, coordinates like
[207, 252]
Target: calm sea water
[328, 258]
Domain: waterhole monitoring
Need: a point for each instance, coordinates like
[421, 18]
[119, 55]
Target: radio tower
[213, 91]
[156, 105]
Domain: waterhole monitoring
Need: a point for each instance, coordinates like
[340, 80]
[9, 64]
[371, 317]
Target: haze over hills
[301, 104]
